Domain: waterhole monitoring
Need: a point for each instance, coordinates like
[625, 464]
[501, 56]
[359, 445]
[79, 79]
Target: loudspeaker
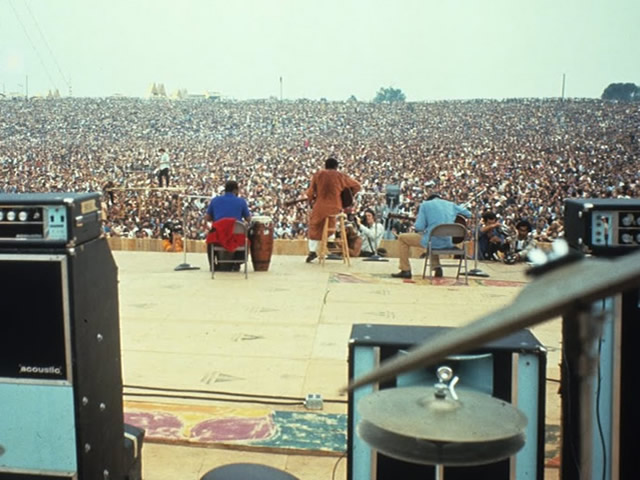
[512, 369]
[60, 372]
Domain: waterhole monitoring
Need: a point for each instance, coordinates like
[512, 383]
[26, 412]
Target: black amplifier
[55, 219]
[602, 226]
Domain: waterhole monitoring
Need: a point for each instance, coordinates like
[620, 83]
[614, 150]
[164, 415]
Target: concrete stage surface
[226, 363]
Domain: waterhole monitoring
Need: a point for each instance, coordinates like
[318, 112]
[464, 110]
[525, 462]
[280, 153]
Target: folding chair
[448, 230]
[239, 228]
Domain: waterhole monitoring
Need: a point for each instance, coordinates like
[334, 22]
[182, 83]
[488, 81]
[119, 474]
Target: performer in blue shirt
[228, 205]
[434, 211]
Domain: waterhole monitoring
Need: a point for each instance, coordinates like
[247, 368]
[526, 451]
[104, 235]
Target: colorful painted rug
[257, 428]
[242, 427]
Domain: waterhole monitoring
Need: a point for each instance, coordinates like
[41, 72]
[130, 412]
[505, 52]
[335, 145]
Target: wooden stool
[323, 247]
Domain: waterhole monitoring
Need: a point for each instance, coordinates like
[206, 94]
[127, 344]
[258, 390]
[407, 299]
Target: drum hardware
[567, 290]
[439, 426]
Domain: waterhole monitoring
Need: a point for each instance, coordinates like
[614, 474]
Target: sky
[332, 49]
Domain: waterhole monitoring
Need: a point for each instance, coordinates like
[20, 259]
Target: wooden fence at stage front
[280, 247]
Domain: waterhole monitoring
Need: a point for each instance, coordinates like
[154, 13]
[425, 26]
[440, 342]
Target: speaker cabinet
[60, 372]
[512, 369]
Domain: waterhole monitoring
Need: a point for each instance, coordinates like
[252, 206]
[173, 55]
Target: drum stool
[247, 471]
[323, 247]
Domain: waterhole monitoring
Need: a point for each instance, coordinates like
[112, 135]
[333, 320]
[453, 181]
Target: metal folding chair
[448, 230]
[239, 228]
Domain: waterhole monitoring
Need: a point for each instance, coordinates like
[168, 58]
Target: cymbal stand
[184, 265]
[445, 386]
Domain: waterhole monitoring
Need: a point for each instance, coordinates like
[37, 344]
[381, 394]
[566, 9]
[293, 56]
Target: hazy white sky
[431, 50]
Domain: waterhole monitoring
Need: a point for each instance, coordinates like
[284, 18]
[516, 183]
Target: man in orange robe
[324, 193]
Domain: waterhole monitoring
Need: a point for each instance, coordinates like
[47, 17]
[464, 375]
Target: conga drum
[261, 236]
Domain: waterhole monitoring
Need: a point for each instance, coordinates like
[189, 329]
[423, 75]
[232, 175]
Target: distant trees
[626, 92]
[389, 94]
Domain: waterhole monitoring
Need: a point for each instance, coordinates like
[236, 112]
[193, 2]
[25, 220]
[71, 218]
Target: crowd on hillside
[517, 158]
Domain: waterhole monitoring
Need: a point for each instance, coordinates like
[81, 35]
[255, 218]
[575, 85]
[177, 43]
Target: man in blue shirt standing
[434, 211]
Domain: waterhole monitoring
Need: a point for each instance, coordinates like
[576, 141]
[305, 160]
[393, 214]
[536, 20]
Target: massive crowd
[518, 158]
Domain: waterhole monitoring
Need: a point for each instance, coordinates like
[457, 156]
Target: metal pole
[475, 271]
[564, 75]
[184, 265]
[589, 331]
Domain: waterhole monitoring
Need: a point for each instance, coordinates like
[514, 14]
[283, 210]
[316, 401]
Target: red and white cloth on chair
[222, 234]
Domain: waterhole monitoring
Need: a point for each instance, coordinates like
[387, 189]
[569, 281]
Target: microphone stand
[475, 271]
[184, 265]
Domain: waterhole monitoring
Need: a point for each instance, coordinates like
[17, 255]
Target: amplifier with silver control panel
[41, 219]
[602, 225]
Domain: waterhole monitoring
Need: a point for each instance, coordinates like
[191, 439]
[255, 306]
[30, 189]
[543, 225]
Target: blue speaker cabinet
[60, 376]
[512, 369]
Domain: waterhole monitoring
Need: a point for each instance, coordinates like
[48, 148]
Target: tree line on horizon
[625, 92]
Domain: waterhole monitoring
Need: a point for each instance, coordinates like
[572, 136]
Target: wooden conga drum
[261, 237]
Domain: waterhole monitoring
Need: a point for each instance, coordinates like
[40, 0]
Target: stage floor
[270, 340]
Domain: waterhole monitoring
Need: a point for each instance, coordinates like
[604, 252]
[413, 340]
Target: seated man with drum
[228, 205]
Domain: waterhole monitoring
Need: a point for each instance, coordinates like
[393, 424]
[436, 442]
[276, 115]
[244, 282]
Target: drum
[261, 237]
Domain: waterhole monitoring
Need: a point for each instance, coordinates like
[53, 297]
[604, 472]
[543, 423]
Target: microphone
[466, 204]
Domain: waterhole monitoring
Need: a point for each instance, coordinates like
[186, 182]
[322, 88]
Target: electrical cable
[598, 419]
[231, 394]
[335, 467]
[46, 44]
[213, 399]
[24, 29]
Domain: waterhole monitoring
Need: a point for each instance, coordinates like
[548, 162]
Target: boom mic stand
[184, 265]
[475, 271]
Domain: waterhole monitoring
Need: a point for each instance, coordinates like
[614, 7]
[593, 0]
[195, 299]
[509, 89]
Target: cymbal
[451, 454]
[416, 412]
[412, 424]
[553, 294]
